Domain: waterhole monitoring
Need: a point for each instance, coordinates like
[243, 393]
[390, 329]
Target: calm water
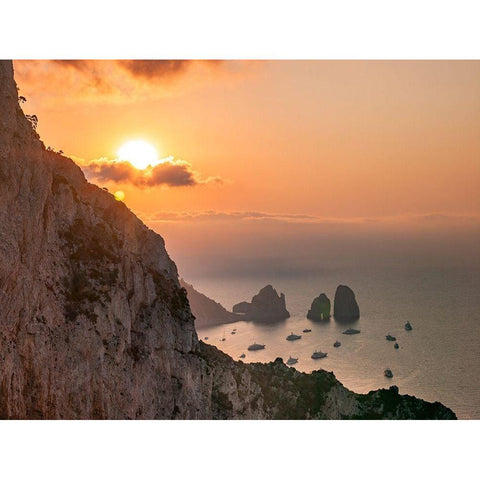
[438, 360]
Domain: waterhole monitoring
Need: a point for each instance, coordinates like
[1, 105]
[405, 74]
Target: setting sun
[139, 153]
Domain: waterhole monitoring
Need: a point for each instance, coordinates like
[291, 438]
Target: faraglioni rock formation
[206, 311]
[95, 325]
[345, 305]
[266, 306]
[320, 309]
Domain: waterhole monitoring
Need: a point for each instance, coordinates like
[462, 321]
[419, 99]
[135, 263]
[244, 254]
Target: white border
[265, 29]
[247, 29]
[238, 450]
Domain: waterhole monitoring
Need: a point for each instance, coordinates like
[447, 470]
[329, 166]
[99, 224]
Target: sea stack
[320, 309]
[266, 306]
[345, 305]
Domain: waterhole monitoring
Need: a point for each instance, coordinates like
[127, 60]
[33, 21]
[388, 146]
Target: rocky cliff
[205, 310]
[266, 306]
[94, 323]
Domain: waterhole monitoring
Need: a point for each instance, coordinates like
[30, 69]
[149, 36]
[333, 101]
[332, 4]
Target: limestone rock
[242, 308]
[345, 305]
[266, 306]
[206, 311]
[320, 309]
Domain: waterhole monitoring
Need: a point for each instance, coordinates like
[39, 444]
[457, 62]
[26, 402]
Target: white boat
[408, 326]
[256, 346]
[388, 373]
[336, 344]
[293, 337]
[318, 354]
[292, 361]
[351, 331]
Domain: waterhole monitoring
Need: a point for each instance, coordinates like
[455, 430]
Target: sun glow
[119, 195]
[139, 153]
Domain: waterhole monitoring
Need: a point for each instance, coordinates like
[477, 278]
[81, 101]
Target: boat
[336, 344]
[223, 338]
[396, 346]
[318, 354]
[408, 326]
[292, 361]
[233, 332]
[206, 338]
[390, 338]
[351, 331]
[293, 337]
[256, 346]
[242, 355]
[307, 330]
[388, 373]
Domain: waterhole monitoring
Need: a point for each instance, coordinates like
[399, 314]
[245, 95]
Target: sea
[439, 360]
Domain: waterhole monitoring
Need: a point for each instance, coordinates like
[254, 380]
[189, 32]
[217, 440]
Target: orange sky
[336, 139]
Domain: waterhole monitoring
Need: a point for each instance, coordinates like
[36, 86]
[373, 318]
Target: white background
[246, 29]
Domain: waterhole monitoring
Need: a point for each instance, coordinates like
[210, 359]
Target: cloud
[168, 172]
[89, 71]
[263, 217]
[154, 69]
[122, 81]
[212, 215]
[162, 69]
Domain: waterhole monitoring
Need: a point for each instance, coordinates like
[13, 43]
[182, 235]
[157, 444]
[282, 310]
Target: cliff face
[207, 311]
[94, 323]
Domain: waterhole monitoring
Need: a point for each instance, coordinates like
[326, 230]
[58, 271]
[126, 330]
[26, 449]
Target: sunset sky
[260, 146]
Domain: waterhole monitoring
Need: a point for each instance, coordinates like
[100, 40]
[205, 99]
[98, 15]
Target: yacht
[256, 346]
[293, 337]
[307, 330]
[396, 346]
[408, 326]
[318, 354]
[351, 331]
[336, 344]
[292, 361]
[388, 373]
[242, 355]
[390, 338]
